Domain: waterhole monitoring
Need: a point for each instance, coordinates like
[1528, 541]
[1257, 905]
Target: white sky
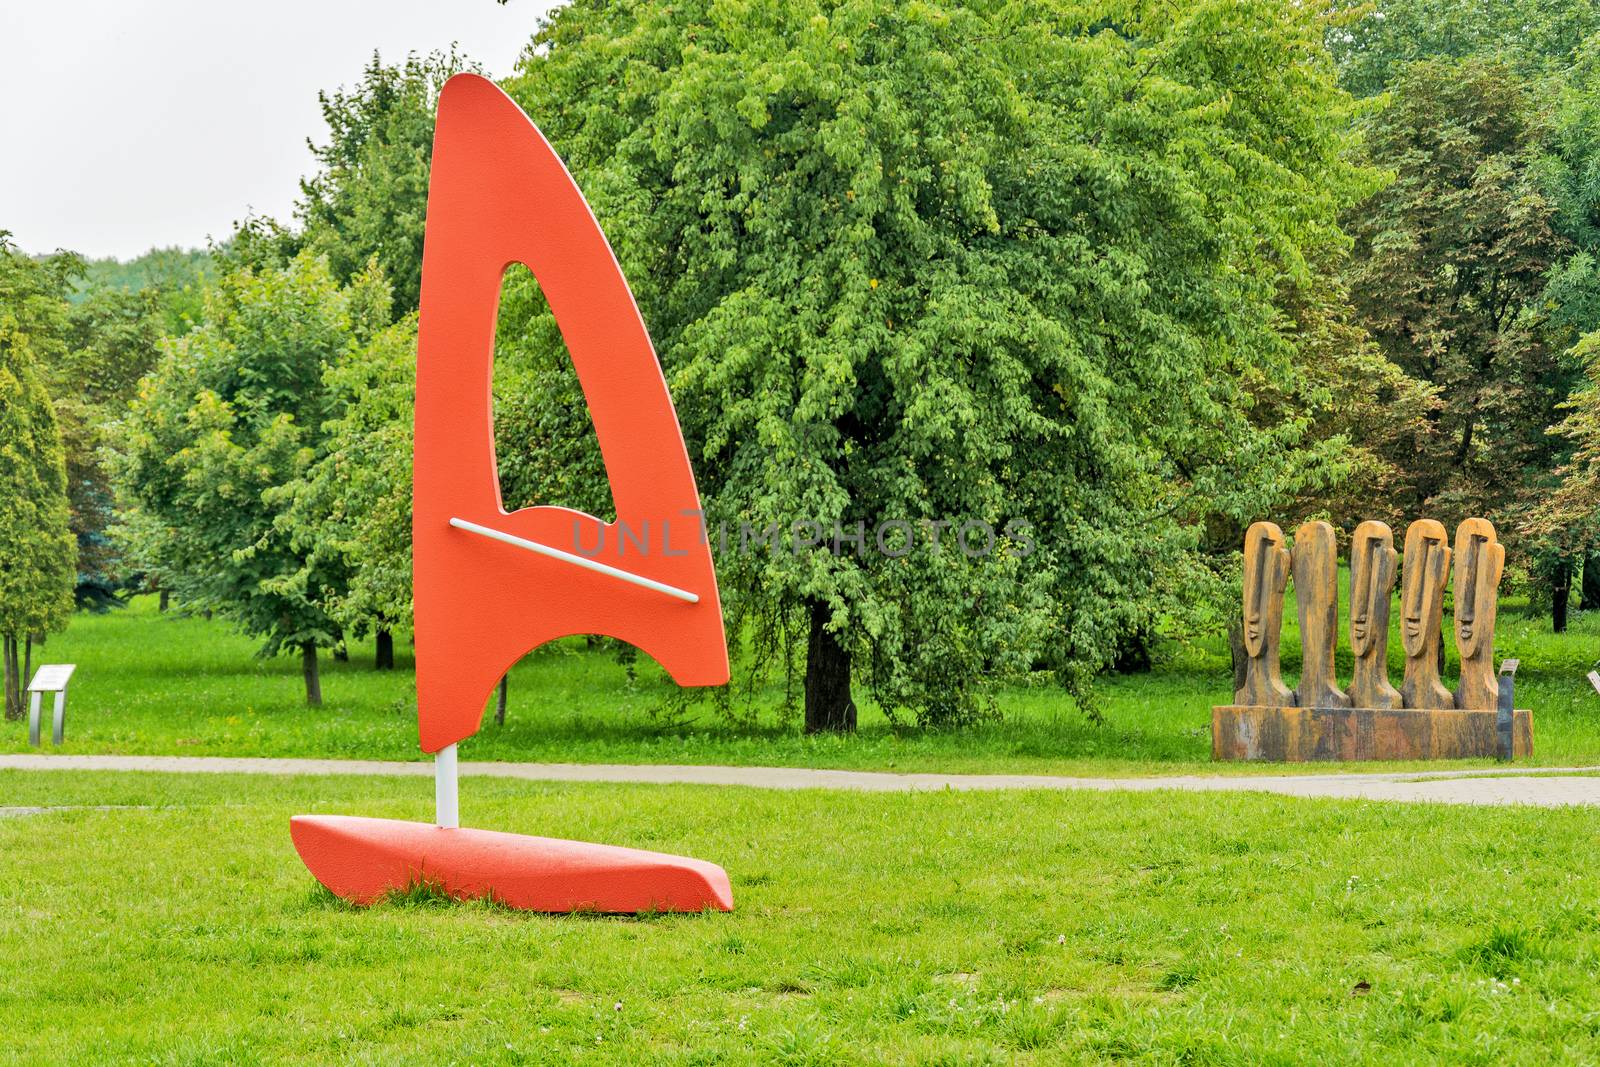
[130, 124]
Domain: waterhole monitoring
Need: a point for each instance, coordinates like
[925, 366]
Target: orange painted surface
[361, 859]
[499, 195]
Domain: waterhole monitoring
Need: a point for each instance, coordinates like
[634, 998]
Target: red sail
[499, 195]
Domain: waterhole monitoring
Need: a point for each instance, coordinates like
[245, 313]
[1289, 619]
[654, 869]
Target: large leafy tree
[1570, 169]
[1534, 36]
[1450, 272]
[230, 420]
[369, 196]
[352, 507]
[367, 203]
[987, 262]
[113, 341]
[1566, 520]
[36, 544]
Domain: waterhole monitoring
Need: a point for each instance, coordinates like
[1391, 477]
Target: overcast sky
[131, 124]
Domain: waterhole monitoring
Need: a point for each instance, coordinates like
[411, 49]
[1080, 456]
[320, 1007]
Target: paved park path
[1539, 786]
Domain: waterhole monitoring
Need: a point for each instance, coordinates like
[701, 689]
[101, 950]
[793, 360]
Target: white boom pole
[576, 560]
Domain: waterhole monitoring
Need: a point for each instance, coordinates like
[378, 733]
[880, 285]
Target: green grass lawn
[177, 926]
[152, 683]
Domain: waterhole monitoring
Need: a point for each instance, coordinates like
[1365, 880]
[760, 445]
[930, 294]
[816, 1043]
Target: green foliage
[1570, 172]
[1380, 38]
[222, 430]
[1565, 524]
[1505, 242]
[369, 199]
[1350, 393]
[36, 545]
[115, 315]
[1450, 270]
[995, 262]
[545, 445]
[1567, 521]
[114, 341]
[176, 275]
[352, 507]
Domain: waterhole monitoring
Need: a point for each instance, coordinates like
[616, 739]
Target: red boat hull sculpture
[492, 585]
[362, 859]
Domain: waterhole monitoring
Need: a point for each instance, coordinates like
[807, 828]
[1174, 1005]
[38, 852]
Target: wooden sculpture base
[1297, 735]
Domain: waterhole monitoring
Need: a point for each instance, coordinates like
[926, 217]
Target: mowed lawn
[153, 683]
[166, 919]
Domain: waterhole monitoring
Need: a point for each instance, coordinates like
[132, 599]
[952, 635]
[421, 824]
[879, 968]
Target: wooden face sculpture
[1372, 572]
[1316, 595]
[1266, 573]
[1266, 569]
[1480, 561]
[1422, 591]
[1423, 579]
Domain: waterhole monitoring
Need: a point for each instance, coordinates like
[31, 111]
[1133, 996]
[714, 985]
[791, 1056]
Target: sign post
[49, 678]
[1505, 714]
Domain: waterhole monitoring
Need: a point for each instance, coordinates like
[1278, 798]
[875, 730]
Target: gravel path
[1539, 786]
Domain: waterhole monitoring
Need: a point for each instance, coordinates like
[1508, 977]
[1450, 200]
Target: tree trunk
[308, 666]
[1133, 655]
[8, 652]
[341, 652]
[1560, 590]
[828, 703]
[166, 596]
[1238, 654]
[1591, 582]
[27, 659]
[383, 659]
[500, 701]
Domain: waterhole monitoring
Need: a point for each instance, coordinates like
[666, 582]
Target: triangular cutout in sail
[500, 195]
[546, 451]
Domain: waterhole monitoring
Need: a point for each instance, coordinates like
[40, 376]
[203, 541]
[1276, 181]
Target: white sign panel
[51, 678]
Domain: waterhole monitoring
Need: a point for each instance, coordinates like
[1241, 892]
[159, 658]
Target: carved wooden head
[1266, 569]
[1480, 559]
[1372, 566]
[1423, 579]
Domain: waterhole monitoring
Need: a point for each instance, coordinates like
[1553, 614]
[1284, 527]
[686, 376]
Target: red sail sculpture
[491, 585]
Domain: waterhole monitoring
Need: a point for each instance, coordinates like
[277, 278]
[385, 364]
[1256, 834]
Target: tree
[113, 341]
[229, 420]
[1562, 524]
[352, 508]
[1013, 267]
[36, 546]
[1450, 266]
[1533, 36]
[370, 195]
